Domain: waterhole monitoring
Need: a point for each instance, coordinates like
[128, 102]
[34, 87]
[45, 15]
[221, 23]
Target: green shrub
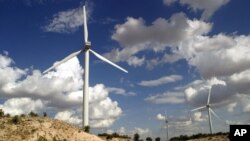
[16, 119]
[1, 113]
[32, 114]
[86, 129]
[44, 114]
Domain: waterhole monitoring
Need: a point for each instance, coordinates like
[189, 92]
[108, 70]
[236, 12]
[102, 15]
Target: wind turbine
[209, 109]
[166, 121]
[85, 50]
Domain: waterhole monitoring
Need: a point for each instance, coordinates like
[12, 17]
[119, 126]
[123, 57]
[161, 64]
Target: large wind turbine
[85, 50]
[209, 109]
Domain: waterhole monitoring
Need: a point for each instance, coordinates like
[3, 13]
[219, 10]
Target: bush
[32, 114]
[86, 129]
[7, 115]
[158, 139]
[1, 113]
[16, 119]
[44, 114]
[23, 115]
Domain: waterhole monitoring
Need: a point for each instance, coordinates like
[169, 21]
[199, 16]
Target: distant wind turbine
[85, 50]
[209, 109]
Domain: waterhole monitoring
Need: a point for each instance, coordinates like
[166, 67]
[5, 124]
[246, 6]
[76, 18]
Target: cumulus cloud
[161, 117]
[160, 81]
[197, 116]
[60, 90]
[18, 106]
[207, 6]
[141, 131]
[231, 107]
[135, 36]
[167, 98]
[68, 116]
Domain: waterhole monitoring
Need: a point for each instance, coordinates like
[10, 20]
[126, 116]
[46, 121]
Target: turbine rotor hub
[87, 46]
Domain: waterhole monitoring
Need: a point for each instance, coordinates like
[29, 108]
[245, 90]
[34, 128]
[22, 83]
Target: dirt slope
[41, 129]
[215, 138]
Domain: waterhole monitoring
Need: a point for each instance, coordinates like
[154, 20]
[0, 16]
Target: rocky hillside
[40, 129]
[214, 138]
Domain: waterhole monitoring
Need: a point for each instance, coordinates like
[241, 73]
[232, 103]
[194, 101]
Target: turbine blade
[85, 27]
[106, 60]
[215, 114]
[64, 60]
[199, 108]
[209, 95]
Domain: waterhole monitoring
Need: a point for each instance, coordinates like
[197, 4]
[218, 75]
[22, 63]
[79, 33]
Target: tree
[15, 119]
[149, 139]
[86, 129]
[44, 114]
[32, 114]
[1, 113]
[158, 139]
[136, 137]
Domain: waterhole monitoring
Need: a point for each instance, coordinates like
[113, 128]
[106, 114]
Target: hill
[40, 129]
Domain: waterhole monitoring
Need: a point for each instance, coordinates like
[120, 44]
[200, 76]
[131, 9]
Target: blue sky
[174, 50]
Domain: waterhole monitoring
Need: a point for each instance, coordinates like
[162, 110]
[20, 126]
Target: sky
[174, 51]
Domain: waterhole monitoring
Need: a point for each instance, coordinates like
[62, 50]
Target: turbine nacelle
[87, 46]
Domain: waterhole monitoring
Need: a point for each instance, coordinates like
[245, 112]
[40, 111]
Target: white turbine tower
[85, 50]
[209, 109]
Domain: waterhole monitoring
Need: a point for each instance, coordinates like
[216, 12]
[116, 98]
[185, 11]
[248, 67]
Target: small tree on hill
[44, 114]
[86, 129]
[15, 119]
[158, 139]
[32, 114]
[149, 139]
[1, 113]
[136, 137]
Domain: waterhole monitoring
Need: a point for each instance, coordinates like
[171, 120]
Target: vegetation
[86, 129]
[16, 119]
[114, 135]
[136, 137]
[158, 139]
[1, 113]
[149, 139]
[44, 114]
[196, 136]
[32, 114]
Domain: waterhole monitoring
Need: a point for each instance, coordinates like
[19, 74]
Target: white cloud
[122, 131]
[65, 21]
[141, 131]
[61, 90]
[231, 107]
[160, 81]
[68, 21]
[197, 116]
[161, 117]
[167, 98]
[68, 116]
[135, 36]
[207, 6]
[18, 106]
[169, 2]
[120, 91]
